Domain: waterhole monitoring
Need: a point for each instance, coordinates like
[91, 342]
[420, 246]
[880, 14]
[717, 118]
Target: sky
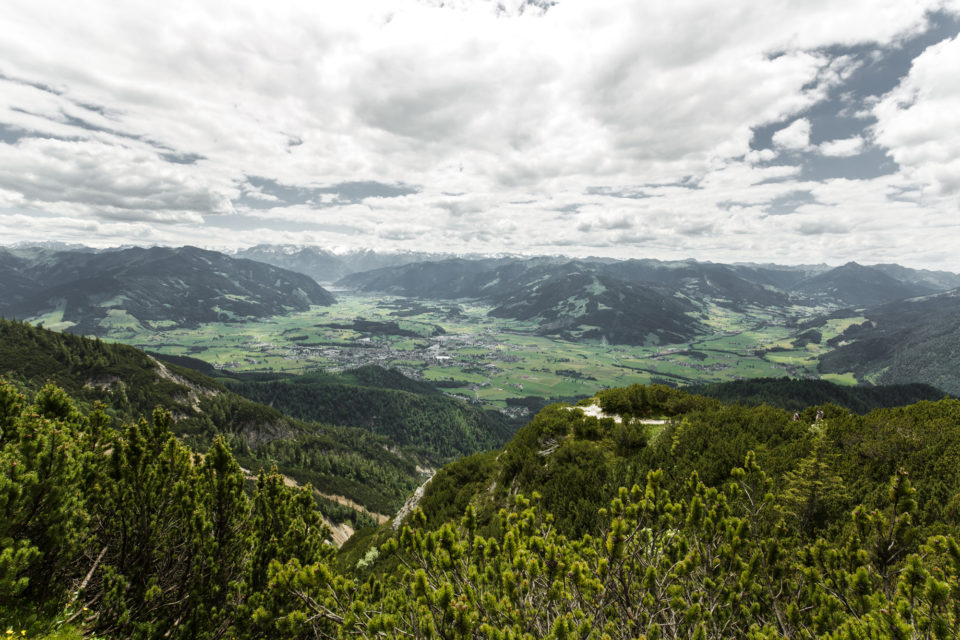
[736, 131]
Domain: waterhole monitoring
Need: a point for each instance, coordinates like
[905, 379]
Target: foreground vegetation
[122, 530]
[742, 523]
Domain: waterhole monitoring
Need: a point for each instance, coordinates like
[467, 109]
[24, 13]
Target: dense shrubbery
[708, 564]
[797, 395]
[650, 401]
[571, 459]
[129, 532]
[843, 528]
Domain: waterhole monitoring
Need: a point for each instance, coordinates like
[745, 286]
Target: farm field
[489, 360]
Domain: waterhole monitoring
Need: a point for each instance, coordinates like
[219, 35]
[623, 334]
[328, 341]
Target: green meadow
[486, 359]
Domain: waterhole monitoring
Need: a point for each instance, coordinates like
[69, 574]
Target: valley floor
[490, 360]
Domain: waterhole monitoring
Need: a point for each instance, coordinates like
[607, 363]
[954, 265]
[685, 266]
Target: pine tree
[150, 519]
[814, 493]
[44, 522]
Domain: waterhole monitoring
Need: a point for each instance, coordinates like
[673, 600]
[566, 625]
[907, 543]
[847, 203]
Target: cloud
[794, 137]
[629, 238]
[697, 229]
[607, 222]
[919, 121]
[107, 181]
[398, 233]
[96, 233]
[359, 122]
[844, 148]
[821, 227]
[788, 203]
[760, 155]
[261, 193]
[522, 97]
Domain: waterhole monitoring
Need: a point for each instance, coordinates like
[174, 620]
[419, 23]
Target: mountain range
[854, 285]
[158, 287]
[642, 301]
[732, 285]
[327, 266]
[910, 336]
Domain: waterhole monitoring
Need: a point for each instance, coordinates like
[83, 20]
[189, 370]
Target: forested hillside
[733, 522]
[575, 461]
[915, 340]
[338, 460]
[788, 393]
[435, 427]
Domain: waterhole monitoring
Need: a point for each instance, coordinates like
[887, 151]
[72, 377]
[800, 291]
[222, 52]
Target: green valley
[457, 346]
[500, 331]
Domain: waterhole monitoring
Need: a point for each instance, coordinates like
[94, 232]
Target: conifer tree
[44, 523]
[149, 519]
[814, 493]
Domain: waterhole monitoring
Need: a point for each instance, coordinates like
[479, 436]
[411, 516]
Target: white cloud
[503, 107]
[761, 155]
[107, 181]
[843, 148]
[919, 121]
[521, 99]
[795, 136]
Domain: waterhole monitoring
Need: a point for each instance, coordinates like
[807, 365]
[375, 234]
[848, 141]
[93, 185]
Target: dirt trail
[595, 411]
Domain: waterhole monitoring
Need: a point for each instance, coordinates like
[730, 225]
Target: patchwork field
[486, 359]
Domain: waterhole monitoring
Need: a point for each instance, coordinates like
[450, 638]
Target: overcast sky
[775, 131]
